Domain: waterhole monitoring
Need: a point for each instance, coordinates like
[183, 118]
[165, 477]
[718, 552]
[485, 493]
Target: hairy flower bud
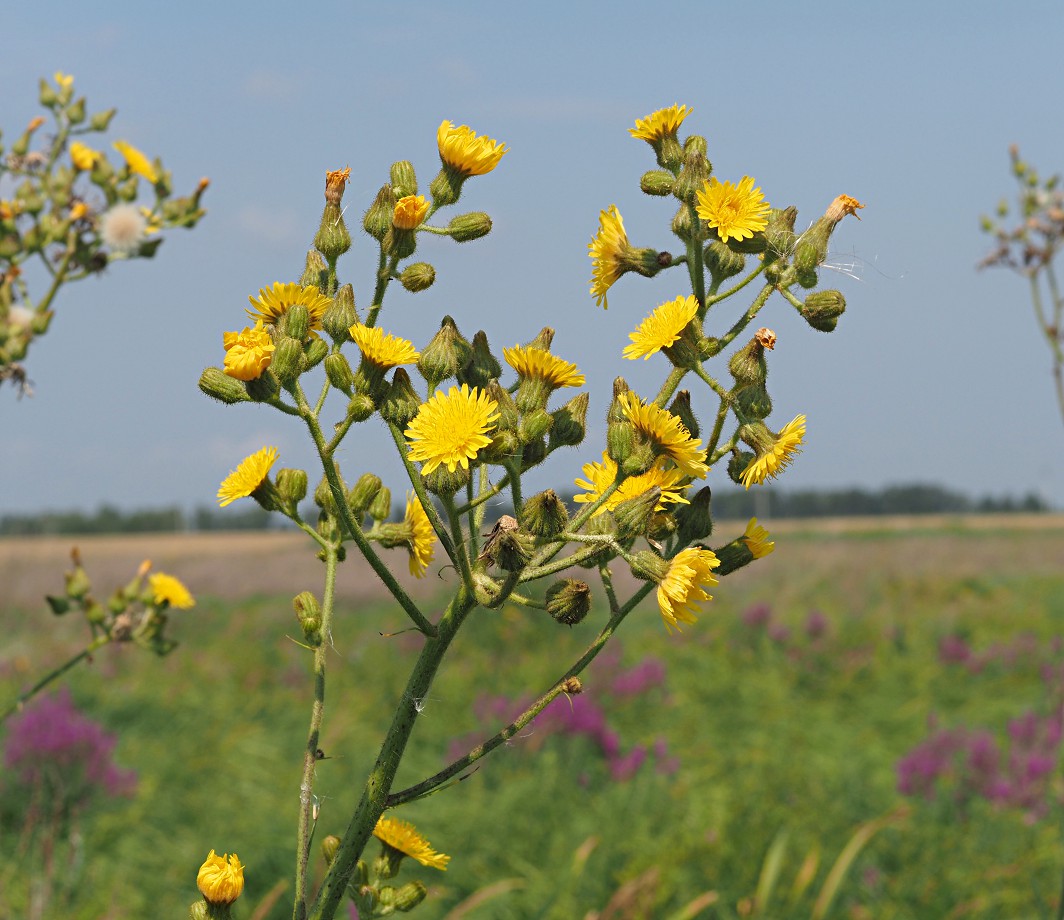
[264, 387]
[693, 175]
[404, 180]
[341, 315]
[822, 309]
[544, 516]
[754, 402]
[657, 182]
[569, 601]
[314, 352]
[308, 612]
[417, 277]
[445, 355]
[295, 322]
[333, 238]
[338, 370]
[471, 226]
[400, 402]
[681, 408]
[217, 384]
[748, 364]
[315, 271]
[377, 220]
[533, 425]
[287, 361]
[693, 519]
[740, 460]
[442, 481]
[380, 509]
[483, 366]
[329, 846]
[633, 515]
[360, 407]
[292, 484]
[363, 494]
[722, 262]
[570, 423]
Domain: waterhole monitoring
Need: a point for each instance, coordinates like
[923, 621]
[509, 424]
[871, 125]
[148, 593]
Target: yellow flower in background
[778, 457]
[756, 539]
[668, 433]
[464, 152]
[221, 878]
[660, 124]
[539, 364]
[383, 350]
[273, 302]
[169, 590]
[450, 428]
[662, 328]
[79, 210]
[409, 212]
[403, 836]
[422, 543]
[247, 353]
[247, 477]
[136, 161]
[600, 477]
[734, 211]
[82, 156]
[606, 250]
[683, 586]
[63, 80]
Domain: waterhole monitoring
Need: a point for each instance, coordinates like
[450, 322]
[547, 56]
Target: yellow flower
[662, 328]
[756, 539]
[383, 350]
[660, 124]
[668, 433]
[409, 212]
[681, 589]
[82, 156]
[221, 878]
[247, 477]
[606, 250]
[275, 301]
[773, 461]
[247, 353]
[136, 161]
[464, 152]
[600, 477]
[166, 589]
[539, 364]
[63, 80]
[403, 836]
[79, 210]
[735, 211]
[450, 428]
[423, 541]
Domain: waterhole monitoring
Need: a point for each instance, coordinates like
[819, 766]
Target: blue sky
[936, 373]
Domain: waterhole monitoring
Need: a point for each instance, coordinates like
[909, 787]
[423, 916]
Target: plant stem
[669, 386]
[746, 318]
[55, 674]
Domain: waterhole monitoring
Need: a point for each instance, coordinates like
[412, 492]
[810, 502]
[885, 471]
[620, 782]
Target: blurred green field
[786, 743]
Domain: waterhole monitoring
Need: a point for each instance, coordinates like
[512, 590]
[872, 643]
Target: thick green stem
[669, 386]
[51, 676]
[748, 316]
[695, 262]
[459, 541]
[716, 298]
[385, 269]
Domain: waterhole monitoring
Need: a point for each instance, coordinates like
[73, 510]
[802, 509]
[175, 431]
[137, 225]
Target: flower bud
[201, 910]
[323, 496]
[569, 601]
[338, 370]
[442, 481]
[570, 423]
[377, 220]
[740, 460]
[445, 355]
[292, 484]
[287, 361]
[314, 352]
[417, 277]
[76, 112]
[504, 447]
[599, 525]
[400, 402]
[694, 520]
[380, 509]
[681, 408]
[46, 94]
[404, 180]
[483, 366]
[657, 182]
[533, 453]
[263, 388]
[616, 412]
[217, 384]
[721, 262]
[748, 364]
[329, 846]
[364, 494]
[471, 226]
[754, 402]
[542, 340]
[544, 516]
[534, 424]
[649, 566]
[779, 232]
[360, 407]
[315, 271]
[408, 896]
[693, 175]
[295, 322]
[681, 223]
[340, 315]
[822, 309]
[308, 612]
[101, 121]
[509, 418]
[333, 238]
[633, 515]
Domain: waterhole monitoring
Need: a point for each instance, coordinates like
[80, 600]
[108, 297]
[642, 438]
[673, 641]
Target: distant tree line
[727, 503]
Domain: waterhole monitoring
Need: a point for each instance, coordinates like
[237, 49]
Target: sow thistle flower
[382, 350]
[221, 878]
[247, 353]
[612, 256]
[681, 580]
[136, 161]
[662, 328]
[410, 212]
[753, 544]
[450, 428]
[668, 434]
[82, 156]
[465, 153]
[404, 838]
[734, 211]
[756, 539]
[660, 124]
[422, 537]
[273, 302]
[540, 373]
[247, 477]
[166, 589]
[775, 452]
[600, 476]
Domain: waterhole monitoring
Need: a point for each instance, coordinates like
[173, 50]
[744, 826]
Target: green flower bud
[599, 525]
[693, 175]
[323, 496]
[657, 182]
[694, 520]
[399, 242]
[569, 601]
[681, 408]
[504, 447]
[633, 515]
[661, 526]
[544, 516]
[620, 441]
[408, 896]
[308, 612]
[338, 370]
[442, 481]
[779, 233]
[76, 112]
[748, 365]
[329, 846]
[201, 910]
[364, 494]
[101, 121]
[287, 361]
[417, 277]
[295, 322]
[46, 94]
[404, 180]
[471, 226]
[616, 411]
[263, 388]
[509, 417]
[722, 262]
[380, 509]
[534, 425]
[445, 355]
[682, 225]
[314, 352]
[822, 309]
[740, 460]
[483, 365]
[292, 484]
[649, 566]
[696, 144]
[533, 453]
[754, 402]
[446, 188]
[543, 340]
[315, 271]
[360, 407]
[377, 220]
[78, 584]
[400, 402]
[333, 238]
[217, 384]
[340, 315]
[570, 423]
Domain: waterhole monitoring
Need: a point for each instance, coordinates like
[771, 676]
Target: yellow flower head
[247, 353]
[681, 589]
[79, 210]
[735, 211]
[221, 878]
[63, 80]
[600, 477]
[606, 250]
[247, 477]
[671, 439]
[756, 539]
[83, 157]
[773, 461]
[409, 212]
[403, 836]
[136, 161]
[166, 589]
[464, 152]
[273, 302]
[382, 350]
[661, 123]
[450, 428]
[538, 364]
[662, 328]
[422, 543]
